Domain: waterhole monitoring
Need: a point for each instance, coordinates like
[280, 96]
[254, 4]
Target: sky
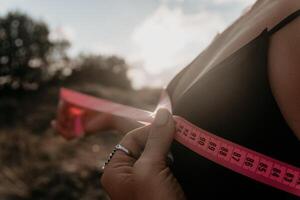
[156, 37]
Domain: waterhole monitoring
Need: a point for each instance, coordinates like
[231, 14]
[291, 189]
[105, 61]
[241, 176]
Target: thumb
[160, 136]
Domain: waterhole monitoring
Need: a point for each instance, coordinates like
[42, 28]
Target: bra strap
[285, 21]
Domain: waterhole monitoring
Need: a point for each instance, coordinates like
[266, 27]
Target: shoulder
[268, 13]
[284, 70]
[288, 3]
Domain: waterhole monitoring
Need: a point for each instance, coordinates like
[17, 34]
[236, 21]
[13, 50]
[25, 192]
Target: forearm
[124, 125]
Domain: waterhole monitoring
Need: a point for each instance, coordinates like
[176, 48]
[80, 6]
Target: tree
[109, 71]
[24, 47]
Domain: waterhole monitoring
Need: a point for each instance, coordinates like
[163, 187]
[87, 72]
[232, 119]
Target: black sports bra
[233, 100]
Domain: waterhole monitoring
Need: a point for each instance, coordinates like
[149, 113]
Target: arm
[101, 122]
[91, 122]
[125, 125]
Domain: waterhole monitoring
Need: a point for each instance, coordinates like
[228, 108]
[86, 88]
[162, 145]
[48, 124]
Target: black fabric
[284, 22]
[233, 100]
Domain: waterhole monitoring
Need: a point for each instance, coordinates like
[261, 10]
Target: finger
[135, 142]
[160, 136]
[119, 167]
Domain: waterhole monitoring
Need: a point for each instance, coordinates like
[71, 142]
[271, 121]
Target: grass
[36, 163]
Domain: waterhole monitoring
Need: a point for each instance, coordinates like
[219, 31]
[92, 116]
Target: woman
[243, 87]
[247, 92]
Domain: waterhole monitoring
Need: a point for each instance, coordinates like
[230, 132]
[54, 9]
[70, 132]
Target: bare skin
[283, 55]
[284, 51]
[145, 174]
[284, 73]
[284, 76]
[284, 70]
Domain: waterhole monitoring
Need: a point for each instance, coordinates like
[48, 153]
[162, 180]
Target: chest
[240, 33]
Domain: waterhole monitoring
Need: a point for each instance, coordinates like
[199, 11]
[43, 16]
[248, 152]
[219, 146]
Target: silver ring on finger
[118, 147]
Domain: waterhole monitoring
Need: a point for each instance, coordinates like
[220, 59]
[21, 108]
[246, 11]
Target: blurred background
[125, 51]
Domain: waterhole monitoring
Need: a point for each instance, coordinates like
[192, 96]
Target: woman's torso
[226, 91]
[264, 14]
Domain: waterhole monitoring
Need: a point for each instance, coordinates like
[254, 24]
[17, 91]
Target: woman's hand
[92, 122]
[88, 123]
[144, 174]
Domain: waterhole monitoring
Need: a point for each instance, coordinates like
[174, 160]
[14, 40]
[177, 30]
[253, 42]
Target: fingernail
[170, 159]
[162, 117]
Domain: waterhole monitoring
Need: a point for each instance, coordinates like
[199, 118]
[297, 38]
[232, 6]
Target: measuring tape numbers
[239, 159]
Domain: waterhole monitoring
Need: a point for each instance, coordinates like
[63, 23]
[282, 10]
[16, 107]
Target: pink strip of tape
[240, 159]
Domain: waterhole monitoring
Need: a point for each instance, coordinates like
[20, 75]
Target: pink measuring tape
[74, 107]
